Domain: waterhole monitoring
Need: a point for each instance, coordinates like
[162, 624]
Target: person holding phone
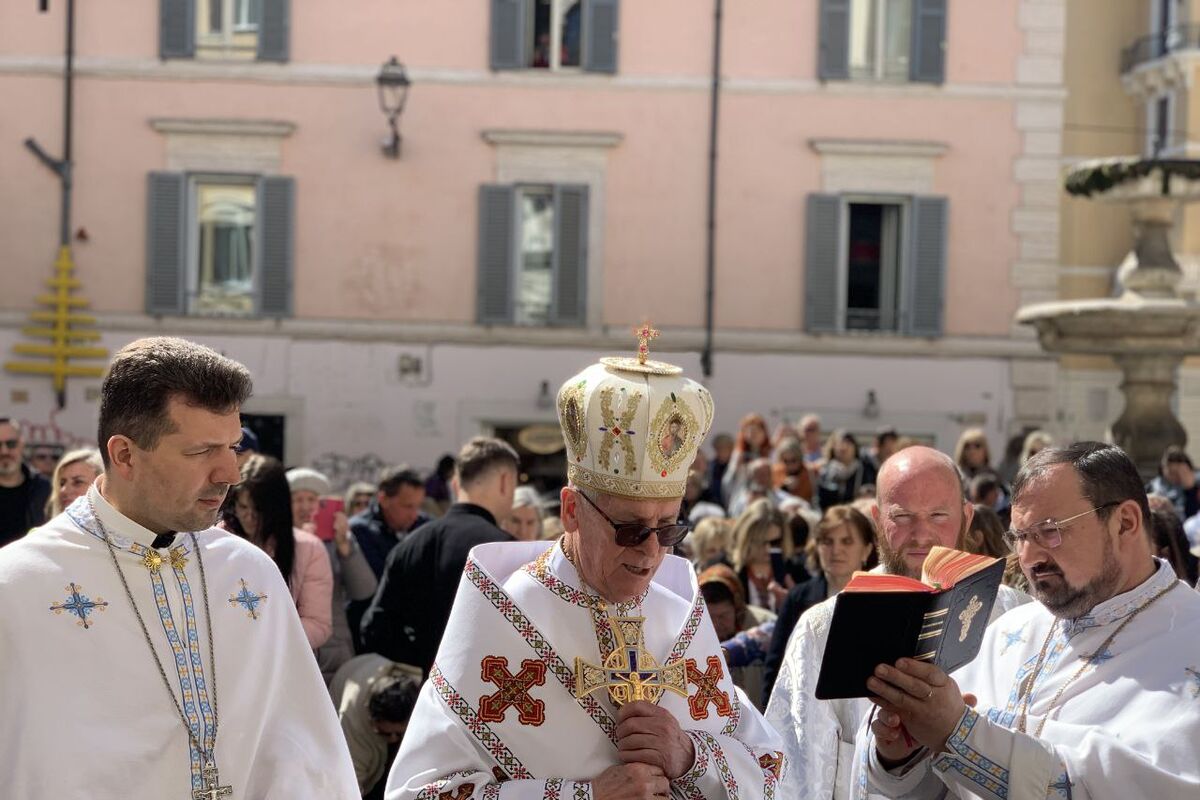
[353, 578]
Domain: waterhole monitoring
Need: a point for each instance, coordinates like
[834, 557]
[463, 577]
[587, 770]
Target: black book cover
[872, 628]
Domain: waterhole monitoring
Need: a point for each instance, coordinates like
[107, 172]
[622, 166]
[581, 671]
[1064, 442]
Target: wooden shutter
[927, 61]
[176, 28]
[507, 38]
[600, 35]
[924, 305]
[166, 242]
[570, 255]
[276, 213]
[497, 232]
[833, 50]
[822, 249]
[274, 30]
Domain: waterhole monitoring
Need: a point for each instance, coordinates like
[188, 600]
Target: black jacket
[800, 599]
[375, 538]
[412, 604]
[23, 507]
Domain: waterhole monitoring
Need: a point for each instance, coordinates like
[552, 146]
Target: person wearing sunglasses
[590, 667]
[1092, 691]
[23, 490]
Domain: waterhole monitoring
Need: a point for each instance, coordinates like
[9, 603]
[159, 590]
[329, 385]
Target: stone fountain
[1149, 329]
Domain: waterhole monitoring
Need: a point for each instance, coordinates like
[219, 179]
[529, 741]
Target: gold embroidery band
[623, 487]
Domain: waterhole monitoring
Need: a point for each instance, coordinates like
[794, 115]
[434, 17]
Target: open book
[879, 619]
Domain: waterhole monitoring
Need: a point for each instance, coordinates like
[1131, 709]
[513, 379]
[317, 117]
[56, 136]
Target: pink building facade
[886, 198]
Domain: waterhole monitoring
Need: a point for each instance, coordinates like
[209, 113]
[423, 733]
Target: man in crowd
[921, 504]
[412, 604]
[23, 491]
[1176, 480]
[722, 453]
[1091, 692]
[589, 667]
[107, 604]
[374, 699]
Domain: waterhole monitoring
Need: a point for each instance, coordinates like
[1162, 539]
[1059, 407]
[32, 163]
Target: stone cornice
[524, 138]
[866, 147]
[224, 127]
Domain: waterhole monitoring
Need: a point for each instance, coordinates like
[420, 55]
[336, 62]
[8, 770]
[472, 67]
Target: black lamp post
[393, 84]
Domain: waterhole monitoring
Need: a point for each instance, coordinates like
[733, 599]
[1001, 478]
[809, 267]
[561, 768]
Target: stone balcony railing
[1159, 45]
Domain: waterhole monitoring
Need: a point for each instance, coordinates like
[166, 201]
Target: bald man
[921, 503]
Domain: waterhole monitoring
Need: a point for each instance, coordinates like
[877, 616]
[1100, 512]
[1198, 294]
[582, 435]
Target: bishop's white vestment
[499, 717]
[84, 712]
[1127, 727]
[819, 735]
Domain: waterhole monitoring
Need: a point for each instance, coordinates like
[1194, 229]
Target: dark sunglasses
[10, 444]
[632, 534]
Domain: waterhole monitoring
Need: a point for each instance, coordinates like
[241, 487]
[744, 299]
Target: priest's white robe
[83, 709]
[520, 618]
[819, 735]
[1127, 727]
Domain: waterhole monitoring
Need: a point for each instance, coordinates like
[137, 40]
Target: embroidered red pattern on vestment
[708, 689]
[477, 727]
[512, 691]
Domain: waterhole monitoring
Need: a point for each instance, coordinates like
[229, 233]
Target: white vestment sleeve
[746, 765]
[438, 756]
[808, 726]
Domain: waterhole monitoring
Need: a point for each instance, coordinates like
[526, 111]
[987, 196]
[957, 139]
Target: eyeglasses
[632, 534]
[10, 444]
[1048, 534]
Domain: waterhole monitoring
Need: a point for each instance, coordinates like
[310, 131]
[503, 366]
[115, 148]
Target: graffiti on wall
[49, 432]
[343, 470]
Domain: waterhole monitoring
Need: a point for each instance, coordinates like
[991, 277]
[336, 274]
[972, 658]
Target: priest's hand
[647, 734]
[922, 698]
[630, 782]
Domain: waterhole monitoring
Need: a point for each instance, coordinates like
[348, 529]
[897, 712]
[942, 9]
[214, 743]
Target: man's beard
[1071, 602]
[895, 563]
[9, 466]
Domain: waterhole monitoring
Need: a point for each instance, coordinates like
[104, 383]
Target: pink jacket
[312, 588]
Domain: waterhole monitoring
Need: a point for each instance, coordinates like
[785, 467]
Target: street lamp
[393, 84]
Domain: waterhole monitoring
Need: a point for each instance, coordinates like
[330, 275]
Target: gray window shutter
[926, 267]
[276, 213]
[570, 255]
[497, 247]
[508, 34]
[822, 250]
[274, 30]
[600, 34]
[166, 256]
[927, 61]
[833, 51]
[176, 28]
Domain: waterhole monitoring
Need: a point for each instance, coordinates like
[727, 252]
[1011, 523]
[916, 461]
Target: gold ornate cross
[644, 334]
[967, 615]
[212, 790]
[630, 673]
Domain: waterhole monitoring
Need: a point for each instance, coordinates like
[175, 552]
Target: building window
[222, 238]
[873, 265]
[1160, 113]
[554, 35]
[224, 29]
[880, 39]
[533, 254]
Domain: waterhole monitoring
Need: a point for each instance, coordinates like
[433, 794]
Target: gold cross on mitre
[644, 334]
[631, 673]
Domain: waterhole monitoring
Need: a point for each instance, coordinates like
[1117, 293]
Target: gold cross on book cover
[631, 673]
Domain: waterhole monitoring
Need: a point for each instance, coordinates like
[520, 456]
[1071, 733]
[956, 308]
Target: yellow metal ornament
[59, 326]
[631, 673]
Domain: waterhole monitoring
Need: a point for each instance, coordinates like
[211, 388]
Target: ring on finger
[930, 693]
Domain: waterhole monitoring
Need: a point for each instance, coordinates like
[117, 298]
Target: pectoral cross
[211, 791]
[644, 334]
[630, 673]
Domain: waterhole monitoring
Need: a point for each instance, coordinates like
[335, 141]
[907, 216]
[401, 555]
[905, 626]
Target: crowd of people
[779, 521]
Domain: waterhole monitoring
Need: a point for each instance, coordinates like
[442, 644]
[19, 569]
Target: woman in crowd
[971, 453]
[845, 471]
[753, 441]
[744, 628]
[985, 536]
[525, 522]
[353, 578]
[844, 541]
[757, 532]
[358, 498]
[709, 542]
[263, 514]
[75, 472]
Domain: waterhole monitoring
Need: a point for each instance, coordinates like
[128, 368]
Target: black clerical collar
[163, 540]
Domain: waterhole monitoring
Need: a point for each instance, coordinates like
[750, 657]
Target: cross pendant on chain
[212, 790]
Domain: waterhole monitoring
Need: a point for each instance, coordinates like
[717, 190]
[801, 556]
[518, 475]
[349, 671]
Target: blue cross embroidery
[1062, 786]
[1011, 638]
[1194, 675]
[247, 600]
[1096, 659]
[79, 604]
